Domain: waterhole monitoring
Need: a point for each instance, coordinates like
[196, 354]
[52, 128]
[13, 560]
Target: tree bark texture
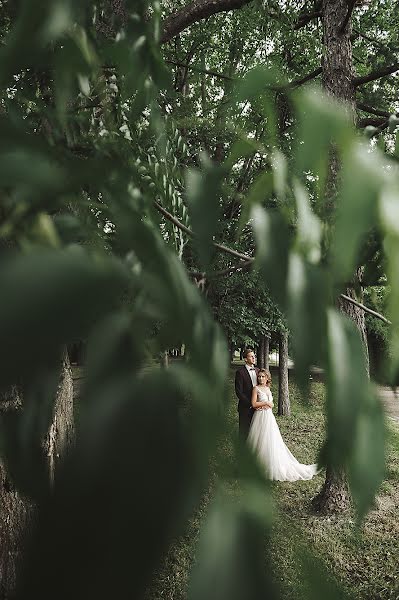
[263, 352]
[338, 81]
[284, 407]
[60, 434]
[17, 512]
[334, 496]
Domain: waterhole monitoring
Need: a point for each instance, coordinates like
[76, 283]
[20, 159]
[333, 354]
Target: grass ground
[365, 562]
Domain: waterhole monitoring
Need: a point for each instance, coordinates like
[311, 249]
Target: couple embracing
[258, 424]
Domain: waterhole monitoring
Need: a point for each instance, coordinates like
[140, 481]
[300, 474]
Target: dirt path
[390, 402]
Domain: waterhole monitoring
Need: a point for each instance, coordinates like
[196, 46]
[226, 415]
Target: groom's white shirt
[252, 374]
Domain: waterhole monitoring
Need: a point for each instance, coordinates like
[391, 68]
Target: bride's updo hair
[266, 373]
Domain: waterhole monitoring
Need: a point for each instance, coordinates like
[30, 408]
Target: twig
[191, 233]
[250, 260]
[366, 309]
[198, 70]
[229, 271]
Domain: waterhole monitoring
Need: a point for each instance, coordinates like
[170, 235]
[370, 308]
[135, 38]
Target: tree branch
[380, 128]
[198, 70]
[351, 5]
[194, 12]
[305, 18]
[373, 121]
[191, 233]
[376, 74]
[373, 111]
[244, 265]
[249, 260]
[366, 309]
[308, 77]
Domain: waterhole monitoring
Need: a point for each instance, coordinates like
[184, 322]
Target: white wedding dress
[265, 439]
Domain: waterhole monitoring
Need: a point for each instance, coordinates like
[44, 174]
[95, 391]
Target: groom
[246, 379]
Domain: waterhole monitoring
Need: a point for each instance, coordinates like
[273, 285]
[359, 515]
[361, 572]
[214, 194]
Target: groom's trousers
[244, 422]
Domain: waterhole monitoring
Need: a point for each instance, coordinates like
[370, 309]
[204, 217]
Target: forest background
[186, 173]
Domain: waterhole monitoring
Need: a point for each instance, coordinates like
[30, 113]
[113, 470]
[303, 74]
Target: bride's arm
[255, 403]
[270, 402]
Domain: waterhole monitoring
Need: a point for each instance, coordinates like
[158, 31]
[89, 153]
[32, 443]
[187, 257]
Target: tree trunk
[266, 351]
[261, 352]
[338, 74]
[283, 391]
[334, 496]
[60, 434]
[16, 512]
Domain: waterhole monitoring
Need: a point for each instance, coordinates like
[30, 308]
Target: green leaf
[259, 192]
[203, 192]
[363, 174]
[241, 149]
[389, 217]
[367, 462]
[322, 122]
[318, 579]
[49, 299]
[355, 430]
[23, 431]
[308, 239]
[347, 385]
[231, 556]
[272, 242]
[308, 296]
[256, 82]
[131, 461]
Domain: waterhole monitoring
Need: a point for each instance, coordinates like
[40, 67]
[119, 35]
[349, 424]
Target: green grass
[364, 562]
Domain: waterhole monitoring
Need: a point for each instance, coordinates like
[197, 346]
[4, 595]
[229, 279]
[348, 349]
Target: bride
[265, 437]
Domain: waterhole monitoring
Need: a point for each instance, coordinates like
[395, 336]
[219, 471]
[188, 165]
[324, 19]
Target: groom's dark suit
[244, 387]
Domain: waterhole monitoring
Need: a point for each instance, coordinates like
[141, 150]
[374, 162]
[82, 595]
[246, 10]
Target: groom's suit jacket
[244, 387]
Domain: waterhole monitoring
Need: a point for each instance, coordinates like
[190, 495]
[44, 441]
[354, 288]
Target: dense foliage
[111, 155]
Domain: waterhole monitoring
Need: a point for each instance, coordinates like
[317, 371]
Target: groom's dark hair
[247, 351]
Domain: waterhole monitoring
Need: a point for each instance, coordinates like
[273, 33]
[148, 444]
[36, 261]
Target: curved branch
[249, 260]
[196, 11]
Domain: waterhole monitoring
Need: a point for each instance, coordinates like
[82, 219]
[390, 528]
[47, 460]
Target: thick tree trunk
[16, 512]
[60, 434]
[334, 495]
[338, 76]
[261, 352]
[284, 407]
